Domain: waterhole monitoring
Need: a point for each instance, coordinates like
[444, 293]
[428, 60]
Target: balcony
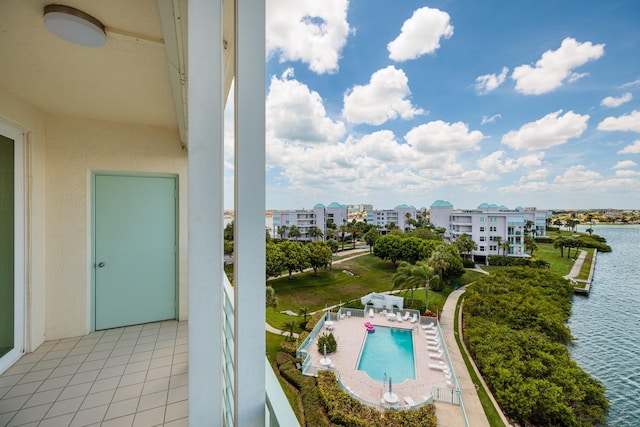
[136, 375]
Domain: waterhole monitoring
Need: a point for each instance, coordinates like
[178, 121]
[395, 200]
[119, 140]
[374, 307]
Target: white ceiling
[126, 81]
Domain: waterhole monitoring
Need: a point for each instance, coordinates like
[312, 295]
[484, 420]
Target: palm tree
[343, 229]
[294, 232]
[505, 247]
[314, 232]
[409, 276]
[304, 312]
[498, 240]
[439, 260]
[289, 329]
[282, 231]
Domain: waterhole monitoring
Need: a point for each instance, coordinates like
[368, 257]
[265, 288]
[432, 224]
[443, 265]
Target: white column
[249, 214]
[206, 165]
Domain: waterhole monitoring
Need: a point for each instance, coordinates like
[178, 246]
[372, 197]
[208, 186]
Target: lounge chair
[391, 317]
[414, 318]
[437, 366]
[431, 347]
[406, 315]
[371, 312]
[399, 318]
[436, 355]
[428, 326]
[409, 401]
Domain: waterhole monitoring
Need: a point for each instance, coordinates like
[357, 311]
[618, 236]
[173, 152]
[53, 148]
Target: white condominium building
[400, 216]
[489, 225]
[304, 219]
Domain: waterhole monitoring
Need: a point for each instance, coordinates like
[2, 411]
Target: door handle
[101, 264]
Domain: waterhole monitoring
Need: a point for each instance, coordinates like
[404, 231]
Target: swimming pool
[388, 351]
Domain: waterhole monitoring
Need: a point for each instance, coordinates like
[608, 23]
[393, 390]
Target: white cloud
[491, 119]
[310, 31]
[497, 162]
[625, 164]
[489, 82]
[439, 137]
[420, 34]
[627, 122]
[577, 177]
[612, 102]
[535, 175]
[627, 173]
[555, 66]
[631, 84]
[295, 113]
[551, 130]
[633, 148]
[384, 98]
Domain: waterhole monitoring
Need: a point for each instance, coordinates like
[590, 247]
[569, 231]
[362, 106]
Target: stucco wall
[21, 114]
[75, 148]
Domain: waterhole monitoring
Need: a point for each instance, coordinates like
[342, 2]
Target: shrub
[289, 347]
[329, 341]
[313, 321]
[543, 240]
[344, 410]
[468, 263]
[313, 410]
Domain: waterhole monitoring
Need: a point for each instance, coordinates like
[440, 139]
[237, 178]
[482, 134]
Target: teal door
[135, 249]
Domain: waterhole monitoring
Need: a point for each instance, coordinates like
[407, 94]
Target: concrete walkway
[577, 266]
[473, 407]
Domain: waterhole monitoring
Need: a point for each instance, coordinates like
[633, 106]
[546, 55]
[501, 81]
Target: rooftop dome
[319, 206]
[335, 205]
[441, 204]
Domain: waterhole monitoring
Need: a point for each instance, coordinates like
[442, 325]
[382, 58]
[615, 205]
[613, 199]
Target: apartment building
[304, 219]
[399, 216]
[489, 225]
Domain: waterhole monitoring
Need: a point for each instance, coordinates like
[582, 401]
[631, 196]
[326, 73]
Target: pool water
[388, 351]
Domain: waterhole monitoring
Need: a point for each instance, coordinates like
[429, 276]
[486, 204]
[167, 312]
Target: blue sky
[532, 103]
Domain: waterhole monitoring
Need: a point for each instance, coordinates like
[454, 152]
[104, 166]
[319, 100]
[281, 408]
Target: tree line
[515, 328]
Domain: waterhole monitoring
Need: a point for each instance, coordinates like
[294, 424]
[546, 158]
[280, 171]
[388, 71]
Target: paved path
[577, 265]
[472, 405]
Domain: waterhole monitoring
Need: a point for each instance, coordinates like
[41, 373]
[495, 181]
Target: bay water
[606, 324]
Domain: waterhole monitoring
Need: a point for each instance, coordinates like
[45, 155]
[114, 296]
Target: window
[482, 238]
[493, 219]
[493, 248]
[481, 248]
[493, 228]
[482, 229]
[482, 219]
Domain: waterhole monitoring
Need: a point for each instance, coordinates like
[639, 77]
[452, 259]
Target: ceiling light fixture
[74, 25]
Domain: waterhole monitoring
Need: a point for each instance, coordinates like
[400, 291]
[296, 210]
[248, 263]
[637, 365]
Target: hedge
[346, 411]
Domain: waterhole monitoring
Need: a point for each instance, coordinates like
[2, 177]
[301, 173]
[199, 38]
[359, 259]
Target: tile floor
[133, 376]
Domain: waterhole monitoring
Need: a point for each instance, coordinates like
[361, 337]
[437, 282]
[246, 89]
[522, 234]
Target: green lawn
[330, 287]
[586, 265]
[277, 319]
[547, 252]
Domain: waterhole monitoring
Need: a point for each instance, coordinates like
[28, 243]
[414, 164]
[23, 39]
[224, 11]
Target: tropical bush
[344, 410]
[503, 261]
[515, 328]
[329, 341]
[313, 409]
[468, 263]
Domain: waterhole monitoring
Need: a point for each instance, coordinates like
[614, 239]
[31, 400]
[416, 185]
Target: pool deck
[350, 334]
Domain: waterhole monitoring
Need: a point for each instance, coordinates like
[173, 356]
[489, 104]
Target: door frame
[92, 260]
[17, 134]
